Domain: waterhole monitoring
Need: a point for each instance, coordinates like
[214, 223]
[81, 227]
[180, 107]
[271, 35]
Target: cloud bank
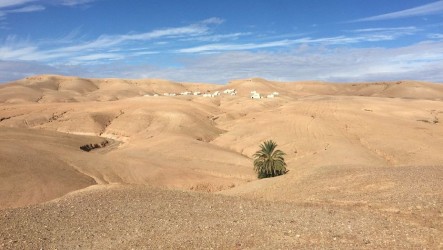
[305, 62]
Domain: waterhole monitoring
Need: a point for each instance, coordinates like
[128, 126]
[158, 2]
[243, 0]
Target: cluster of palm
[269, 162]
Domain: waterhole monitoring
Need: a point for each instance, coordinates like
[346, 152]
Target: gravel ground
[139, 217]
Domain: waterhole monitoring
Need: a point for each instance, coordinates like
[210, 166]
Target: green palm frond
[269, 162]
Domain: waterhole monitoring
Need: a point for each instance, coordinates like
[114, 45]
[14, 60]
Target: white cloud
[227, 47]
[13, 50]
[11, 3]
[421, 61]
[29, 8]
[107, 41]
[22, 53]
[423, 10]
[218, 37]
[365, 35]
[213, 20]
[408, 30]
[142, 53]
[318, 58]
[98, 56]
[191, 30]
[306, 62]
[26, 6]
[75, 2]
[25, 9]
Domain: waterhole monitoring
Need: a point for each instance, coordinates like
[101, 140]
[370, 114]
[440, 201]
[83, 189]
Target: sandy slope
[370, 151]
[36, 165]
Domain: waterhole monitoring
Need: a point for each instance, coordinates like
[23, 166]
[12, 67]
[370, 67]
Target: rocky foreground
[125, 217]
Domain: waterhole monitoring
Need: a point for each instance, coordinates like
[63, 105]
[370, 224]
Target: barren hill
[53, 88]
[363, 158]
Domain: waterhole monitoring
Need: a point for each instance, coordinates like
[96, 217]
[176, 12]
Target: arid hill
[53, 88]
[364, 159]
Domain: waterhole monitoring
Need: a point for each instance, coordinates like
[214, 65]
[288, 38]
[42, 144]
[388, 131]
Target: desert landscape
[116, 163]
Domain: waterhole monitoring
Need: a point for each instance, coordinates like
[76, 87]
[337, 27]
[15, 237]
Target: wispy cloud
[343, 39]
[29, 8]
[75, 2]
[95, 57]
[218, 37]
[227, 47]
[142, 53]
[423, 10]
[364, 35]
[420, 61]
[310, 62]
[22, 53]
[213, 20]
[181, 40]
[25, 9]
[397, 30]
[12, 3]
[26, 6]
[12, 49]
[107, 41]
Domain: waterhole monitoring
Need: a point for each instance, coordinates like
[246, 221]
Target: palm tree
[269, 162]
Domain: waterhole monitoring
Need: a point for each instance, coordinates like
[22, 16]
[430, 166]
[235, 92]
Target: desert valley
[115, 163]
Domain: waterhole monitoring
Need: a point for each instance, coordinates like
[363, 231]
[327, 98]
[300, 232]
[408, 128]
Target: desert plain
[103, 163]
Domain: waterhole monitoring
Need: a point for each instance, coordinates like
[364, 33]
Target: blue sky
[220, 40]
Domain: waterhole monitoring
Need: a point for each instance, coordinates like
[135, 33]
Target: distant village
[254, 94]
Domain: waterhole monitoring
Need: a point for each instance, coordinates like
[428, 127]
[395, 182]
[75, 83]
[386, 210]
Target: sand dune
[370, 148]
[52, 88]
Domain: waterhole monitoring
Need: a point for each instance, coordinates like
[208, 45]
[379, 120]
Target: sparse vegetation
[423, 120]
[89, 147]
[434, 121]
[269, 162]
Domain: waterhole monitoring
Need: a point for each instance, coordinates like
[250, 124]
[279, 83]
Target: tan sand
[369, 153]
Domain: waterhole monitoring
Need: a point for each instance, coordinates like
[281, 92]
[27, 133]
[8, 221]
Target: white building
[229, 91]
[255, 95]
[270, 96]
[197, 93]
[186, 93]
